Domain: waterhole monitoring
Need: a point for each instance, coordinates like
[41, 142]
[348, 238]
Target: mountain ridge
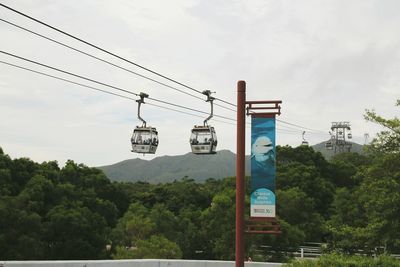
[170, 168]
[166, 168]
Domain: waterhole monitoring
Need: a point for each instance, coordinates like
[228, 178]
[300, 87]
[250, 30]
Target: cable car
[328, 145]
[203, 139]
[144, 138]
[304, 142]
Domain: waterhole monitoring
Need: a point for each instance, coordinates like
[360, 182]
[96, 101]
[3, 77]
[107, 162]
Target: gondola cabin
[328, 145]
[144, 140]
[203, 140]
[304, 143]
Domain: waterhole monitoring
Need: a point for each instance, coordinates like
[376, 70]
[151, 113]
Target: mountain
[328, 154]
[198, 167]
[169, 168]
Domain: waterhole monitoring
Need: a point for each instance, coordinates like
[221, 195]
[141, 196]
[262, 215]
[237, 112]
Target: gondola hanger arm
[140, 102]
[211, 100]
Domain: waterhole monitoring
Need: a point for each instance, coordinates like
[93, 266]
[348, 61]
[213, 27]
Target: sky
[326, 60]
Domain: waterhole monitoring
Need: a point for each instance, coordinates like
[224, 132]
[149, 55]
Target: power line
[66, 80]
[126, 60]
[107, 85]
[67, 72]
[299, 126]
[123, 96]
[226, 102]
[99, 48]
[122, 58]
[187, 113]
[101, 83]
[104, 91]
[300, 130]
[105, 61]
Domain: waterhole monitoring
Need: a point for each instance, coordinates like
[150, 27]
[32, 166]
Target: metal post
[240, 163]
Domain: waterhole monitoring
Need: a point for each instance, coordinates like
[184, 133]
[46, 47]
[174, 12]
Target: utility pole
[240, 165]
[261, 224]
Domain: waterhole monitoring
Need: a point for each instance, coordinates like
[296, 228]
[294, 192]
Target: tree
[156, 247]
[345, 167]
[380, 196]
[20, 232]
[37, 196]
[387, 141]
[347, 225]
[189, 235]
[75, 232]
[309, 180]
[218, 223]
[298, 209]
[165, 221]
[133, 226]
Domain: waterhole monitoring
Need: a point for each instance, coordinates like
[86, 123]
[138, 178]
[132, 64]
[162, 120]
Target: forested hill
[169, 168]
[328, 154]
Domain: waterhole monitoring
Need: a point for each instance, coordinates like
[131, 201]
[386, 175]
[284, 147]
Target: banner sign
[263, 169]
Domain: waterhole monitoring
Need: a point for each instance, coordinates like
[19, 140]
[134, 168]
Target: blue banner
[263, 167]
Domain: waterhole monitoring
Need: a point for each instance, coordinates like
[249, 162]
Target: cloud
[327, 61]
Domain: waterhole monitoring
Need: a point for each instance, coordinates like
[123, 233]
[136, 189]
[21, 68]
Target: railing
[135, 263]
[314, 250]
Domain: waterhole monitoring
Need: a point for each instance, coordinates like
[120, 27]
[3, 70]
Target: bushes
[336, 260]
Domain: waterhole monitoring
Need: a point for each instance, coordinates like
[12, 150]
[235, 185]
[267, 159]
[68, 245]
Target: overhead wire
[124, 59]
[67, 72]
[106, 61]
[95, 57]
[112, 93]
[106, 84]
[65, 80]
[99, 48]
[102, 90]
[299, 126]
[103, 50]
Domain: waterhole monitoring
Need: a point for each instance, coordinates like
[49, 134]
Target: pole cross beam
[270, 107]
[261, 225]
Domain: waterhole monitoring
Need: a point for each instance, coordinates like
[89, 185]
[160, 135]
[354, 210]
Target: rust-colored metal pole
[240, 163]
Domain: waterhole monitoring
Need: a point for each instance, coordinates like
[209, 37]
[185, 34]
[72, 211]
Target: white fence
[133, 263]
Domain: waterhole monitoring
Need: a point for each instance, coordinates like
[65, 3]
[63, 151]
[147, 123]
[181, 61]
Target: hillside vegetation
[48, 212]
[169, 168]
[328, 154]
[198, 167]
[350, 203]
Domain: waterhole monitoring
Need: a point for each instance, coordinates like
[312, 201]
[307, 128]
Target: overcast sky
[326, 60]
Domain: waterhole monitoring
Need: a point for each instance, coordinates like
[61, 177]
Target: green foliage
[20, 232]
[337, 260]
[133, 226]
[218, 222]
[156, 247]
[296, 208]
[309, 180]
[52, 213]
[387, 141]
[166, 169]
[351, 203]
[73, 231]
